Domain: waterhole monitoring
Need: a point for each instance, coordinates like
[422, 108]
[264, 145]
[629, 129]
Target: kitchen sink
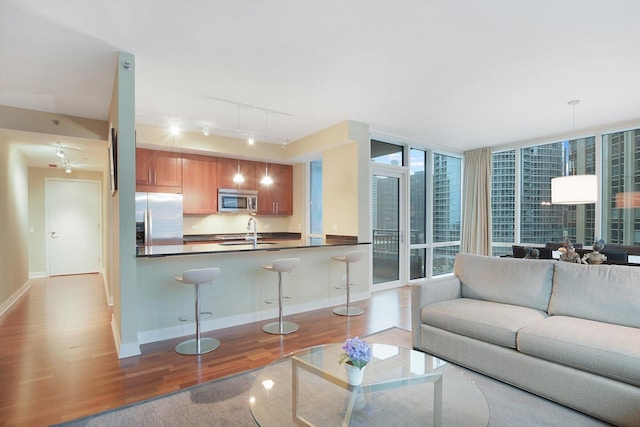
[245, 242]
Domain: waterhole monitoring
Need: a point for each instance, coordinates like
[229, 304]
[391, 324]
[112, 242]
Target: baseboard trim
[14, 298]
[37, 274]
[127, 349]
[106, 290]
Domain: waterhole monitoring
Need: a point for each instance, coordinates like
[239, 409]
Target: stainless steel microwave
[231, 200]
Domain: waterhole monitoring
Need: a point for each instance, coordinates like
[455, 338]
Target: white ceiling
[458, 74]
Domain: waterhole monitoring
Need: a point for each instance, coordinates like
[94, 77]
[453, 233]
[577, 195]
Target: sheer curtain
[476, 203]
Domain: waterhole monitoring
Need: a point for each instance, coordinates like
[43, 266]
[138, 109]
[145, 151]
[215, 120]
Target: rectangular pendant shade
[574, 190]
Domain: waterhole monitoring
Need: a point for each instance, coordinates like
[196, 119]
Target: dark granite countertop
[223, 237]
[239, 246]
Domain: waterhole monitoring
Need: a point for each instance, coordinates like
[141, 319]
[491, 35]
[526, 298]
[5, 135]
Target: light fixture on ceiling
[238, 178]
[574, 190]
[175, 130]
[266, 179]
[251, 140]
[60, 151]
[64, 161]
[205, 131]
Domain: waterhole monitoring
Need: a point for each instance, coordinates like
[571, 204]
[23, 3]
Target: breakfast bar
[242, 286]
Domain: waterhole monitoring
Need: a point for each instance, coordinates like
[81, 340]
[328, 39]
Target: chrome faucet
[254, 238]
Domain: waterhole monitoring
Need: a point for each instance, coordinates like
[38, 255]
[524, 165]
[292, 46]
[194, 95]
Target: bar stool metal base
[190, 347]
[348, 311]
[276, 329]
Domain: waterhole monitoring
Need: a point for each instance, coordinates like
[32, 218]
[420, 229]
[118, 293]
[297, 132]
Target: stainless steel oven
[231, 200]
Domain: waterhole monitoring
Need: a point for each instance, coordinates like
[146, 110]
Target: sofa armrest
[427, 292]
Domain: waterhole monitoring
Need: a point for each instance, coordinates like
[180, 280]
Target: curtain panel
[476, 203]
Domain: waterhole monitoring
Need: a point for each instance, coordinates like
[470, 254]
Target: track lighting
[64, 162]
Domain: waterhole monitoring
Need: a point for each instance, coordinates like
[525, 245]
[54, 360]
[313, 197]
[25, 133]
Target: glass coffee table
[400, 387]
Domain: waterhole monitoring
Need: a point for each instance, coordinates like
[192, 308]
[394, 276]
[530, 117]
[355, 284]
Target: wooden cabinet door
[276, 198]
[144, 166]
[199, 184]
[227, 169]
[168, 169]
[158, 171]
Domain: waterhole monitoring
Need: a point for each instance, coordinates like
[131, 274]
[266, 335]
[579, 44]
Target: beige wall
[339, 190]
[37, 233]
[14, 263]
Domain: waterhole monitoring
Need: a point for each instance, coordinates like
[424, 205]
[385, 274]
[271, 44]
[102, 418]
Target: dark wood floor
[58, 360]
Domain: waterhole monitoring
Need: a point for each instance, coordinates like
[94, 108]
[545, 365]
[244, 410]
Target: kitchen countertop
[239, 246]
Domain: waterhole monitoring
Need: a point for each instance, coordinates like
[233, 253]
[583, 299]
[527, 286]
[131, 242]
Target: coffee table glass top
[400, 387]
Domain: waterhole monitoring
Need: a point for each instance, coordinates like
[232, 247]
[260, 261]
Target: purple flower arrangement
[356, 352]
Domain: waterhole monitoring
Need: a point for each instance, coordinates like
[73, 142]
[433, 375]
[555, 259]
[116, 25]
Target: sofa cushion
[605, 349]
[521, 282]
[483, 320]
[607, 293]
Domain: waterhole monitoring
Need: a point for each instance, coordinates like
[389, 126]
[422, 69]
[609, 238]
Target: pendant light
[238, 178]
[574, 189]
[266, 179]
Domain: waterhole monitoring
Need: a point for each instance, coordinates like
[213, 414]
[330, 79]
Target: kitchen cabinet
[227, 169]
[275, 198]
[199, 184]
[158, 171]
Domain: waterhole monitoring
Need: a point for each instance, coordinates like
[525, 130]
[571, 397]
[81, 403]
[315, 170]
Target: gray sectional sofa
[567, 332]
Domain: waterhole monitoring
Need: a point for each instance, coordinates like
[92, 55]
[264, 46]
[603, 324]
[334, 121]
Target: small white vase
[354, 374]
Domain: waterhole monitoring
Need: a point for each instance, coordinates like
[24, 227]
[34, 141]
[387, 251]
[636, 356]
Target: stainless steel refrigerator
[158, 219]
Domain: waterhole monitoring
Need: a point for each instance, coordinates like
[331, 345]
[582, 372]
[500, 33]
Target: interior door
[388, 223]
[73, 226]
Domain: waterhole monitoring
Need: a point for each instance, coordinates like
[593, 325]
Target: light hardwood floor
[58, 360]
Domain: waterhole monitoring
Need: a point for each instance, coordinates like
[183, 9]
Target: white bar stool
[198, 345]
[348, 258]
[281, 266]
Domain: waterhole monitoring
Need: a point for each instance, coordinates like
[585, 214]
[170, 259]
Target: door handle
[54, 234]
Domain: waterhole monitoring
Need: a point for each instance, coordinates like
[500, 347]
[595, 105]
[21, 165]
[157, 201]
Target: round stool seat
[281, 266]
[199, 276]
[348, 258]
[198, 345]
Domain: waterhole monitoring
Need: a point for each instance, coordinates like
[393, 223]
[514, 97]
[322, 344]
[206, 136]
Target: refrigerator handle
[147, 227]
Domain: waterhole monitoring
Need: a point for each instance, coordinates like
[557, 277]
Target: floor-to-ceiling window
[418, 218]
[521, 195]
[503, 201]
[447, 209]
[621, 187]
[431, 205]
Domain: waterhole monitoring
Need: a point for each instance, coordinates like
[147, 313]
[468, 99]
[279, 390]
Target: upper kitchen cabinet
[228, 168]
[199, 184]
[275, 198]
[158, 171]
